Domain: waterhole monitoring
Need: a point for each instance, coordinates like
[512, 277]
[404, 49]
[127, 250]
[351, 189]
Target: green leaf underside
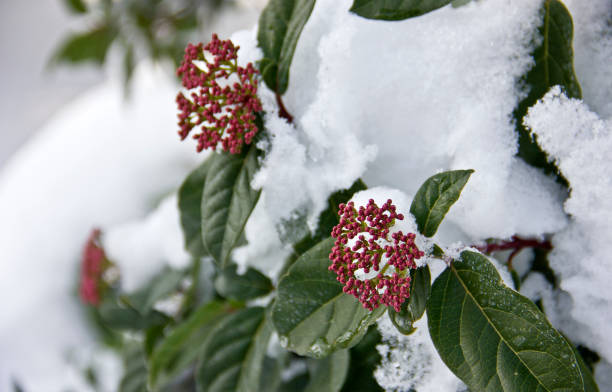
[364, 360]
[90, 46]
[233, 357]
[312, 314]
[328, 374]
[280, 26]
[493, 338]
[251, 284]
[190, 204]
[414, 307]
[435, 197]
[554, 65]
[395, 9]
[182, 345]
[227, 201]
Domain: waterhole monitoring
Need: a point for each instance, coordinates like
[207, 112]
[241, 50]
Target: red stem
[282, 111]
[516, 244]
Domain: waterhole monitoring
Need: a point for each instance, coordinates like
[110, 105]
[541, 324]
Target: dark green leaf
[493, 338]
[280, 26]
[161, 286]
[76, 6]
[414, 307]
[554, 65]
[232, 359]
[395, 9]
[364, 360]
[183, 344]
[435, 197]
[312, 314]
[271, 372]
[90, 46]
[227, 201]
[295, 384]
[117, 316]
[190, 204]
[328, 374]
[251, 284]
[587, 376]
[327, 220]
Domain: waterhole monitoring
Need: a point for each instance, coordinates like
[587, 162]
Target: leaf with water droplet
[486, 332]
[313, 313]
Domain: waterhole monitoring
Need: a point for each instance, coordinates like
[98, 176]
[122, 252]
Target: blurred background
[88, 138]
[52, 50]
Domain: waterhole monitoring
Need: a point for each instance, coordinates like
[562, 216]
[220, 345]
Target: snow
[411, 362]
[99, 162]
[144, 246]
[392, 103]
[580, 142]
[440, 99]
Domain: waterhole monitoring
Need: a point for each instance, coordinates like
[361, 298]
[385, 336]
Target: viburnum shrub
[231, 327]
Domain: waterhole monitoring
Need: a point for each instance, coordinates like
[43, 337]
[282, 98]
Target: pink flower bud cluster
[363, 243]
[225, 114]
[93, 265]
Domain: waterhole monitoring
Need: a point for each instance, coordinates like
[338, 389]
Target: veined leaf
[554, 65]
[190, 204]
[395, 9]
[134, 377]
[183, 344]
[493, 338]
[413, 308]
[312, 314]
[233, 357]
[328, 374]
[251, 284]
[227, 201]
[280, 26]
[435, 197]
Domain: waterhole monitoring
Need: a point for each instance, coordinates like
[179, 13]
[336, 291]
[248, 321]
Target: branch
[282, 111]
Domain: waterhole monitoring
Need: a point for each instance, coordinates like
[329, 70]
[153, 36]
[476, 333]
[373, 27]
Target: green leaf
[364, 360]
[414, 307]
[327, 220]
[190, 204]
[232, 359]
[554, 65]
[251, 284]
[587, 377]
[134, 377]
[328, 374]
[395, 9]
[493, 338]
[280, 26]
[227, 201]
[90, 46]
[161, 286]
[435, 197]
[122, 316]
[183, 344]
[76, 6]
[312, 314]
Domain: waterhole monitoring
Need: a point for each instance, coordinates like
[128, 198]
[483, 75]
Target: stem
[282, 111]
[516, 244]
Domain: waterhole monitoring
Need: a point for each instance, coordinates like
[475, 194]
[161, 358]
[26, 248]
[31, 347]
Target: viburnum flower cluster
[225, 114]
[363, 243]
[93, 265]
